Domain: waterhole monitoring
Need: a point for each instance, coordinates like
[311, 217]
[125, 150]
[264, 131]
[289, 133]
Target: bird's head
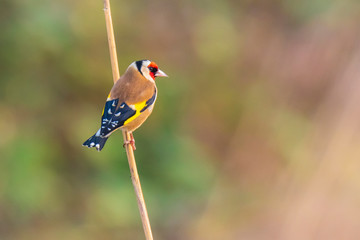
[149, 69]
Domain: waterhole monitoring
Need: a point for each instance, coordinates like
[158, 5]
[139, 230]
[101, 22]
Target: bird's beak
[160, 73]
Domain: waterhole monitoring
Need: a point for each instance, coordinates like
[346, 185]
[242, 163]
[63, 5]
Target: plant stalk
[126, 135]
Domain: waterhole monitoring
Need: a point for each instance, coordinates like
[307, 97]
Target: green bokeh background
[255, 92]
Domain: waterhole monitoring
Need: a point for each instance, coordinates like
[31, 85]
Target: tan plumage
[133, 88]
[129, 103]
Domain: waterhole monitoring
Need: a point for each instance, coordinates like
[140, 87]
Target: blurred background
[255, 135]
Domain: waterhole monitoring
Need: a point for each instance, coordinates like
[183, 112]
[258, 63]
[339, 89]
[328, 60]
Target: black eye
[151, 69]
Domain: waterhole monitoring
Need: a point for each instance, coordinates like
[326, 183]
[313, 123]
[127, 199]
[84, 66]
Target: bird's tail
[96, 141]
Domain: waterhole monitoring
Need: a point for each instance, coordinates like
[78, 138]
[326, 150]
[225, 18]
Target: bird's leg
[131, 141]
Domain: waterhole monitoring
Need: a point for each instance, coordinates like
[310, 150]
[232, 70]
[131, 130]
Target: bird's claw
[131, 143]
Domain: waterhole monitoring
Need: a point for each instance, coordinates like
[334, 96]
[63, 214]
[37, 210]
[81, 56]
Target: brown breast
[132, 88]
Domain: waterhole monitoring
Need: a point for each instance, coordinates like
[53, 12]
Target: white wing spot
[97, 133]
[117, 114]
[109, 112]
[92, 144]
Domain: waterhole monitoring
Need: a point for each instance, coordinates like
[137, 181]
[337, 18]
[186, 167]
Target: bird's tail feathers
[96, 141]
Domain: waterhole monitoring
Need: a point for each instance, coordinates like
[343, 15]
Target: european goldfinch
[129, 104]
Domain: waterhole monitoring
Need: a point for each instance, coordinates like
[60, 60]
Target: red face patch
[153, 68]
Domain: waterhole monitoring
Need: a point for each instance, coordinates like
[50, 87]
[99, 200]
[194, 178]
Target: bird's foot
[131, 142]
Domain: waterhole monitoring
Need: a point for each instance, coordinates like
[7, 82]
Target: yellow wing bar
[137, 107]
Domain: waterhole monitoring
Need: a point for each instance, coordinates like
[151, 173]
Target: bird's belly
[134, 124]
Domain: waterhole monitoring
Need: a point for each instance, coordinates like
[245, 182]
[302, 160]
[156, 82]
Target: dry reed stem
[126, 135]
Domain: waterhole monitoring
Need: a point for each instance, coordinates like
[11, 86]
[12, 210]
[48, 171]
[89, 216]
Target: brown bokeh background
[255, 135]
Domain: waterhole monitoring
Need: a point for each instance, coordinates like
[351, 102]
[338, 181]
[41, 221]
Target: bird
[129, 103]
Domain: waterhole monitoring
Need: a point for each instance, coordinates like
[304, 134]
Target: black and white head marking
[142, 67]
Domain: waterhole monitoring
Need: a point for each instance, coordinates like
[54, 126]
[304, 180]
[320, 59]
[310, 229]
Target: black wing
[149, 102]
[113, 117]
